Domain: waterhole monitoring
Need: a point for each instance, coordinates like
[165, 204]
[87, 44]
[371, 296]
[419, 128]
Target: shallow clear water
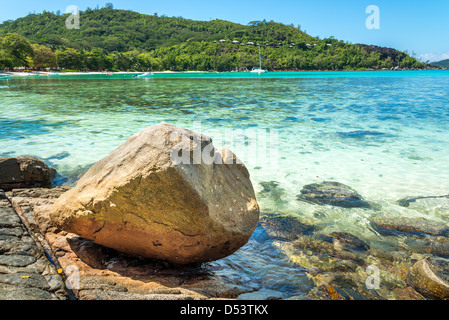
[385, 134]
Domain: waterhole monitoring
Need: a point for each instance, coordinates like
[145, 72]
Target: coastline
[92, 73]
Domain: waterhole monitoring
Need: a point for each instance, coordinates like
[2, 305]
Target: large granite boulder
[166, 194]
[24, 172]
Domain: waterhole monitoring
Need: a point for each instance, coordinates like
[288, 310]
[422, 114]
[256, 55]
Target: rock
[412, 226]
[9, 292]
[432, 206]
[408, 293]
[17, 260]
[285, 227]
[360, 134]
[346, 241]
[332, 193]
[25, 271]
[338, 291]
[430, 277]
[263, 294]
[140, 202]
[405, 202]
[90, 253]
[41, 193]
[272, 191]
[20, 279]
[24, 172]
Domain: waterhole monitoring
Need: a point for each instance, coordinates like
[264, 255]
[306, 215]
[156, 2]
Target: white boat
[144, 75]
[259, 69]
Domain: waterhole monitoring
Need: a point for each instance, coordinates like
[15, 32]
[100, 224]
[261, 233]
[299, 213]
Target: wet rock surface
[430, 276]
[340, 263]
[332, 193]
[432, 206]
[264, 294]
[274, 194]
[406, 202]
[403, 225]
[285, 227]
[25, 272]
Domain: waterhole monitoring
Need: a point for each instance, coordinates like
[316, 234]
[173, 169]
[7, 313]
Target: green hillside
[442, 63]
[110, 39]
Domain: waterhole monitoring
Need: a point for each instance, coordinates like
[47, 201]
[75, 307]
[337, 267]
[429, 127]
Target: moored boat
[259, 69]
[144, 75]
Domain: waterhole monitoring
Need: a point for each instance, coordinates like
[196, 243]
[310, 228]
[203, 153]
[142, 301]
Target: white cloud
[432, 57]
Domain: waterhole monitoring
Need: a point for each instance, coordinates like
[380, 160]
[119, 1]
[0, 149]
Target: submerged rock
[332, 193]
[272, 190]
[412, 226]
[434, 206]
[140, 201]
[263, 294]
[24, 172]
[285, 227]
[69, 178]
[430, 277]
[436, 245]
[346, 241]
[405, 202]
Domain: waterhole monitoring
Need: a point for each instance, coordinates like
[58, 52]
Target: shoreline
[89, 73]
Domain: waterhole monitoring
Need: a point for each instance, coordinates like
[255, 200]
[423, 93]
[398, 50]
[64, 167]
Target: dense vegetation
[442, 63]
[110, 39]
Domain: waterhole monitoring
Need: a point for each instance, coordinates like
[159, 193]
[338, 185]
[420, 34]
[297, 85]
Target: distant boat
[144, 75]
[259, 69]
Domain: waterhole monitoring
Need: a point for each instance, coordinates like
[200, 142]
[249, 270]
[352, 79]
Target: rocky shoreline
[335, 263]
[25, 271]
[41, 258]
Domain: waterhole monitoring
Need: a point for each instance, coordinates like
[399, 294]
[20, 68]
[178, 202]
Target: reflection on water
[386, 137]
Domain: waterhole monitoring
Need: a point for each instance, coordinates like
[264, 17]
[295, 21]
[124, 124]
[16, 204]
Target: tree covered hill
[110, 39]
[442, 63]
[122, 30]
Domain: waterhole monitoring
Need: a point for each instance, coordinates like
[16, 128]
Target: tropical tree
[15, 50]
[44, 57]
[69, 59]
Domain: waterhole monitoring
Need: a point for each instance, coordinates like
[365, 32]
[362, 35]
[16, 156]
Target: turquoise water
[248, 75]
[383, 133]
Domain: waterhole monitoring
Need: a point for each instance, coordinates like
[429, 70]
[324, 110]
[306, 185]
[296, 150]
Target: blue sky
[420, 26]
